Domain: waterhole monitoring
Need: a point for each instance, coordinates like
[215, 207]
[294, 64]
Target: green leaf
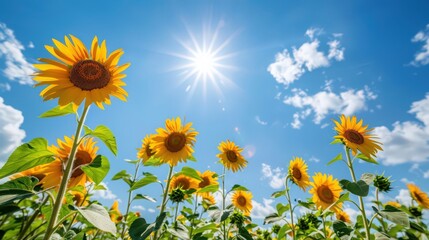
[99, 187]
[104, 134]
[98, 169]
[159, 221]
[225, 214]
[381, 236]
[360, 188]
[141, 196]
[98, 216]
[211, 226]
[58, 111]
[139, 229]
[24, 183]
[179, 231]
[8, 208]
[245, 234]
[278, 194]
[366, 159]
[282, 208]
[148, 179]
[9, 195]
[368, 178]
[343, 197]
[337, 141]
[335, 159]
[341, 229]
[190, 172]
[396, 216]
[192, 158]
[282, 231]
[26, 156]
[153, 161]
[238, 187]
[305, 204]
[121, 175]
[272, 218]
[209, 188]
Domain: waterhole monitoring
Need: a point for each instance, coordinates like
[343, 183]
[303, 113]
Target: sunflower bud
[177, 195]
[276, 229]
[237, 218]
[415, 211]
[307, 221]
[382, 183]
[303, 224]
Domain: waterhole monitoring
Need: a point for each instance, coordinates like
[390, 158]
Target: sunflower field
[49, 188]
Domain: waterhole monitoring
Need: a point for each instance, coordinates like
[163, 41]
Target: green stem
[175, 216]
[383, 224]
[164, 198]
[225, 233]
[290, 208]
[64, 182]
[193, 219]
[33, 217]
[324, 226]
[362, 207]
[129, 201]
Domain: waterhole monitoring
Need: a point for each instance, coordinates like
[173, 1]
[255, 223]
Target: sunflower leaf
[190, 172]
[25, 183]
[396, 216]
[146, 197]
[359, 188]
[26, 156]
[153, 161]
[341, 229]
[366, 159]
[148, 179]
[98, 169]
[368, 178]
[238, 187]
[336, 141]
[98, 216]
[245, 234]
[7, 196]
[278, 194]
[58, 111]
[105, 135]
[210, 188]
[335, 159]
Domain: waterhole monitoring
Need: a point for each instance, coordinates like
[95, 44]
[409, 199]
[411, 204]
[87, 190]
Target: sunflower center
[149, 152]
[325, 194]
[343, 218]
[175, 142]
[232, 156]
[296, 173]
[241, 200]
[182, 183]
[82, 158]
[205, 182]
[418, 198]
[354, 136]
[89, 74]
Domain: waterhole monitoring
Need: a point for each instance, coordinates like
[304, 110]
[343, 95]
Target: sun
[204, 64]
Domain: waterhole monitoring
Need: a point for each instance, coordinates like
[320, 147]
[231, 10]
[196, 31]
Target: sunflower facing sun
[343, 216]
[79, 75]
[326, 191]
[298, 173]
[174, 143]
[145, 152]
[230, 156]
[418, 195]
[208, 179]
[356, 136]
[243, 201]
[183, 182]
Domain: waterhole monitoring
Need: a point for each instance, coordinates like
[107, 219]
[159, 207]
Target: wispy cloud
[275, 176]
[258, 120]
[105, 194]
[422, 56]
[261, 210]
[11, 134]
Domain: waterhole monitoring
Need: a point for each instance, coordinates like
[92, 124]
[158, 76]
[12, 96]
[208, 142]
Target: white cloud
[314, 159]
[426, 174]
[275, 176]
[17, 67]
[335, 51]
[404, 197]
[11, 134]
[151, 210]
[297, 124]
[406, 180]
[422, 57]
[261, 210]
[5, 87]
[309, 56]
[30, 45]
[105, 194]
[353, 213]
[285, 70]
[311, 32]
[407, 142]
[139, 207]
[258, 120]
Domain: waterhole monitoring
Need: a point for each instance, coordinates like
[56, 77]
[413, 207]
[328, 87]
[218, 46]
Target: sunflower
[393, 204]
[182, 181]
[356, 136]
[298, 173]
[49, 174]
[326, 191]
[115, 214]
[145, 152]
[343, 216]
[421, 197]
[78, 75]
[230, 156]
[79, 198]
[208, 198]
[243, 201]
[207, 179]
[174, 143]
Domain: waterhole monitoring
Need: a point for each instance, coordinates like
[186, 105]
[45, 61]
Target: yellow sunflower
[145, 152]
[356, 136]
[115, 214]
[298, 173]
[343, 216]
[79, 198]
[78, 75]
[174, 143]
[208, 179]
[326, 191]
[208, 198]
[243, 201]
[421, 197]
[393, 204]
[230, 156]
[184, 182]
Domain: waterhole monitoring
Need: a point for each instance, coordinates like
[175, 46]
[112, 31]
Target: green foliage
[98, 169]
[339, 157]
[105, 135]
[359, 188]
[99, 217]
[58, 111]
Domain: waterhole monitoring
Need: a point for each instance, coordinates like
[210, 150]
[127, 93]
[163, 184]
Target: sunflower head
[230, 156]
[78, 74]
[183, 182]
[237, 218]
[418, 195]
[326, 191]
[177, 195]
[382, 183]
[356, 136]
[79, 198]
[208, 200]
[343, 216]
[243, 201]
[115, 214]
[298, 173]
[393, 204]
[145, 152]
[416, 211]
[208, 178]
[173, 144]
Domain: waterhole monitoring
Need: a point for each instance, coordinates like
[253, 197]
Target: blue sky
[292, 68]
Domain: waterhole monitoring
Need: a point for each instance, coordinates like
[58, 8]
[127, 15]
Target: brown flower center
[354, 136]
[418, 197]
[82, 158]
[232, 156]
[89, 74]
[241, 200]
[343, 218]
[325, 194]
[296, 173]
[205, 182]
[182, 183]
[175, 142]
[149, 152]
[78, 199]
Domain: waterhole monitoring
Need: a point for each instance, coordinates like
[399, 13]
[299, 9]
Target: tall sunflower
[343, 216]
[208, 179]
[298, 173]
[326, 191]
[421, 197]
[230, 156]
[184, 182]
[356, 136]
[76, 74]
[243, 201]
[145, 152]
[174, 143]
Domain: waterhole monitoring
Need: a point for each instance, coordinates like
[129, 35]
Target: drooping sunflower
[243, 201]
[393, 204]
[326, 191]
[208, 198]
[79, 198]
[418, 195]
[145, 152]
[115, 214]
[343, 216]
[230, 156]
[208, 179]
[78, 75]
[298, 173]
[49, 174]
[174, 143]
[356, 136]
[184, 182]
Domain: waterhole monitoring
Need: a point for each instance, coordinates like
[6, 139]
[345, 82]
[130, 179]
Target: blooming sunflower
[115, 214]
[356, 136]
[79, 198]
[343, 216]
[421, 197]
[326, 191]
[230, 156]
[79, 75]
[208, 179]
[298, 173]
[208, 198]
[174, 143]
[145, 152]
[243, 201]
[182, 181]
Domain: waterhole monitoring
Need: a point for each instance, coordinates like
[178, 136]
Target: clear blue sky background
[375, 38]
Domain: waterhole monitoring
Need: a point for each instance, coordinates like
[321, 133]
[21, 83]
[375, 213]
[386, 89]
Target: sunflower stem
[164, 198]
[129, 202]
[193, 219]
[225, 234]
[362, 207]
[292, 226]
[383, 224]
[33, 217]
[66, 176]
